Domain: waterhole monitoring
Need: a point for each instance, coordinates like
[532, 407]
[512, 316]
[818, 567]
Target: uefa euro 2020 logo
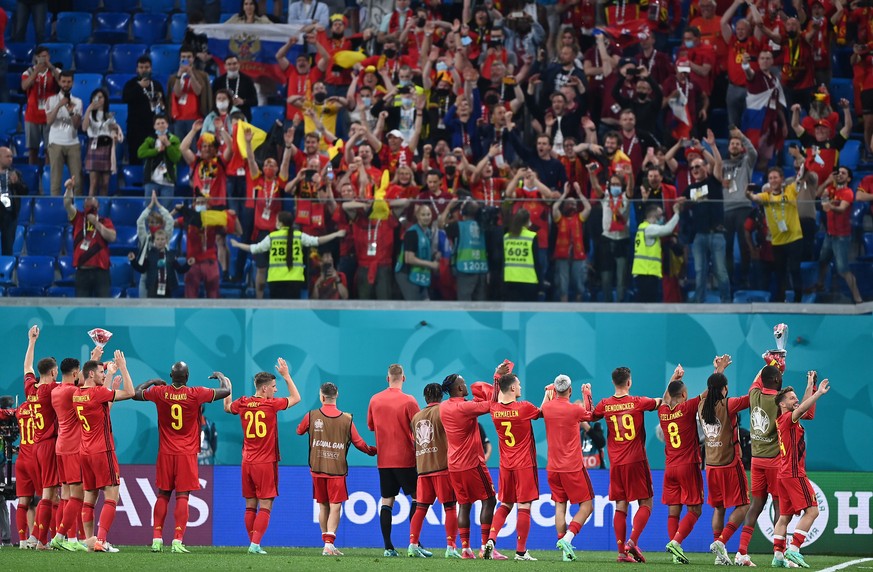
[424, 432]
[760, 421]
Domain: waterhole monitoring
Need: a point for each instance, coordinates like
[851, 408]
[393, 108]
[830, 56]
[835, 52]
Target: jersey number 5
[507, 430]
[627, 422]
[85, 425]
[255, 419]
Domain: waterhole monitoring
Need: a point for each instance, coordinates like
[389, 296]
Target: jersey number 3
[507, 430]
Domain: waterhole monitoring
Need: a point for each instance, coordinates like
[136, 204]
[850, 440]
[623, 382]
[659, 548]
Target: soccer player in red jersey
[796, 495]
[629, 475]
[390, 416]
[683, 481]
[467, 471]
[725, 474]
[260, 463]
[178, 408]
[518, 461]
[330, 431]
[97, 450]
[568, 478]
[26, 469]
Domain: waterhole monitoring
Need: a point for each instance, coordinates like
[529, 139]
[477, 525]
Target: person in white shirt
[311, 12]
[103, 133]
[64, 115]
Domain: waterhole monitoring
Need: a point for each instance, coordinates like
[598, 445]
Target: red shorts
[795, 495]
[518, 485]
[472, 484]
[683, 484]
[727, 485]
[630, 482]
[177, 473]
[765, 476]
[329, 489]
[99, 470]
[573, 487]
[434, 486]
[27, 481]
[260, 480]
[47, 460]
[70, 468]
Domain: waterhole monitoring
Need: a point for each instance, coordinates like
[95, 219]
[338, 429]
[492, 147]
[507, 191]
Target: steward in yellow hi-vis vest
[520, 282]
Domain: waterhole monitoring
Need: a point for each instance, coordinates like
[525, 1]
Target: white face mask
[199, 208]
[232, 74]
[221, 105]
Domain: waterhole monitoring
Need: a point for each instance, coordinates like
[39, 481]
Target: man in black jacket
[11, 190]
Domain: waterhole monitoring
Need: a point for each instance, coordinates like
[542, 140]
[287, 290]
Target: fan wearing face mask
[190, 93]
[238, 84]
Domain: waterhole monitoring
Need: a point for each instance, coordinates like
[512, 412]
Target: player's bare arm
[808, 401]
[127, 391]
[224, 385]
[142, 387]
[293, 394]
[678, 374]
[32, 335]
[721, 363]
[228, 399]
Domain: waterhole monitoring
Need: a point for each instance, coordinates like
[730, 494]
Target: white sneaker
[525, 556]
[109, 548]
[743, 560]
[721, 555]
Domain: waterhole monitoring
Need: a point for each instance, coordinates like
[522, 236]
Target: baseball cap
[562, 383]
[395, 133]
[823, 123]
[683, 65]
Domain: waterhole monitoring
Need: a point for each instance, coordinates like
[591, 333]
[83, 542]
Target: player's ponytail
[287, 220]
[715, 384]
[448, 382]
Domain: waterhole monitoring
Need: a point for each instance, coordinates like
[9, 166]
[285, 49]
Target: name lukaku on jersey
[174, 397]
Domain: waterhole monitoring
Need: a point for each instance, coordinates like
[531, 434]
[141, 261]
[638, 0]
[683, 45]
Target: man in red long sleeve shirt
[330, 430]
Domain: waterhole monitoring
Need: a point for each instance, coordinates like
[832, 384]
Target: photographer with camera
[330, 284]
[64, 116]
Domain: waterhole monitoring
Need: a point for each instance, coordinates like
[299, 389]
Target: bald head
[5, 157]
[179, 373]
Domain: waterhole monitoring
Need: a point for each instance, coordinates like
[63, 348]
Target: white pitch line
[845, 565]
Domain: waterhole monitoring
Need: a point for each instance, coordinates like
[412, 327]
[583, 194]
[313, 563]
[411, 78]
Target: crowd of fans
[558, 150]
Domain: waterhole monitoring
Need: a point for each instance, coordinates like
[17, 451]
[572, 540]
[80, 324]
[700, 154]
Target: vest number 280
[627, 422]
[255, 426]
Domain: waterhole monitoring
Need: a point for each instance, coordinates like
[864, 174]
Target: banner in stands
[255, 45]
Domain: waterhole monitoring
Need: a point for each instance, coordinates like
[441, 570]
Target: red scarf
[570, 232]
[618, 223]
[394, 22]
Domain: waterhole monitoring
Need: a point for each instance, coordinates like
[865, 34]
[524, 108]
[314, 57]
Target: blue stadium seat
[124, 56]
[61, 53]
[850, 155]
[25, 213]
[750, 296]
[183, 180]
[46, 180]
[112, 27]
[84, 85]
[150, 28]
[841, 88]
[7, 268]
[125, 212]
[115, 86]
[9, 113]
[120, 112]
[120, 272]
[132, 292]
[91, 6]
[165, 59]
[18, 243]
[21, 52]
[30, 31]
[50, 210]
[35, 274]
[43, 240]
[125, 241]
[74, 27]
[225, 16]
[120, 5]
[867, 241]
[264, 116]
[859, 211]
[178, 27]
[158, 6]
[68, 291]
[863, 272]
[67, 271]
[840, 60]
[229, 6]
[133, 176]
[92, 58]
[68, 240]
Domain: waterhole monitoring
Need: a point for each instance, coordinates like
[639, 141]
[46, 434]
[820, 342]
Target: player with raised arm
[260, 462]
[389, 416]
[330, 432]
[97, 450]
[683, 481]
[725, 474]
[796, 494]
[178, 408]
[518, 461]
[431, 463]
[629, 476]
[568, 478]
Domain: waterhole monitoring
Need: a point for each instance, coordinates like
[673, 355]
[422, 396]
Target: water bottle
[330, 174]
[654, 10]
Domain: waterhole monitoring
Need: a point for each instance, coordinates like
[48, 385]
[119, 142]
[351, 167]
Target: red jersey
[264, 193]
[92, 408]
[563, 434]
[211, 178]
[515, 433]
[69, 428]
[90, 249]
[187, 105]
[178, 416]
[840, 224]
[43, 87]
[736, 49]
[45, 420]
[260, 427]
[27, 428]
[30, 382]
[792, 446]
[390, 416]
[465, 449]
[626, 437]
[379, 233]
[299, 84]
[679, 424]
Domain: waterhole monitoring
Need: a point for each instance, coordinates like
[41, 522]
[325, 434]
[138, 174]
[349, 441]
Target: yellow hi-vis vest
[518, 257]
[278, 270]
[647, 259]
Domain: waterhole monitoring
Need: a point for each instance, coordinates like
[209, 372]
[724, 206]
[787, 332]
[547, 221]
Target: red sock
[328, 537]
[261, 523]
[672, 525]
[251, 513]
[778, 544]
[57, 515]
[68, 520]
[160, 515]
[797, 539]
[522, 529]
[80, 527]
[745, 539]
[716, 534]
[87, 516]
[465, 536]
[686, 525]
[640, 520]
[575, 527]
[107, 515]
[729, 530]
[451, 514]
[21, 521]
[43, 515]
[619, 524]
[416, 522]
[180, 515]
[497, 523]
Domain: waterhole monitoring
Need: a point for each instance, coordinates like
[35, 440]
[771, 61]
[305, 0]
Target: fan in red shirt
[178, 444]
[389, 416]
[299, 78]
[568, 478]
[838, 206]
[97, 451]
[629, 476]
[518, 461]
[683, 483]
[260, 457]
[796, 494]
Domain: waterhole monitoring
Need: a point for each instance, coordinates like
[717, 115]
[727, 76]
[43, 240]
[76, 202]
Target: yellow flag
[259, 137]
[332, 152]
[380, 205]
[348, 58]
